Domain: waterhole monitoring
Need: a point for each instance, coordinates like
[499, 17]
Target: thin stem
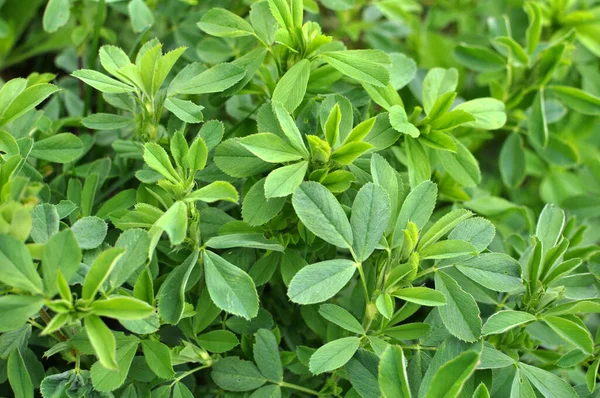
[419, 347]
[189, 372]
[364, 282]
[298, 388]
[93, 55]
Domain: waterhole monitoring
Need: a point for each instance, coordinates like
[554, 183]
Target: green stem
[364, 282]
[189, 372]
[93, 56]
[298, 388]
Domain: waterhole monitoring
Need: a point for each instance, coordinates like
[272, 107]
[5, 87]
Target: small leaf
[322, 214]
[217, 341]
[18, 376]
[230, 288]
[341, 317]
[234, 374]
[99, 271]
[171, 297]
[393, 377]
[266, 355]
[449, 380]
[461, 314]
[333, 355]
[222, 23]
[370, 215]
[505, 320]
[158, 358]
[421, 295]
[103, 341]
[291, 88]
[283, 181]
[318, 282]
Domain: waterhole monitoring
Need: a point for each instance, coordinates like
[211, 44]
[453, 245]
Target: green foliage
[294, 198]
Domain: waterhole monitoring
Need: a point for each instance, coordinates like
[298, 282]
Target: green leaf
[17, 266]
[158, 358]
[438, 82]
[122, 308]
[213, 192]
[460, 315]
[393, 377]
[106, 121]
[158, 159]
[252, 240]
[322, 214]
[270, 148]
[28, 99]
[99, 271]
[505, 320]
[534, 30]
[289, 129]
[137, 242]
[101, 82]
[577, 99]
[61, 252]
[488, 112]
[198, 153]
[550, 385]
[217, 341]
[140, 15]
[591, 375]
[449, 380]
[110, 379]
[538, 123]
[291, 88]
[171, 297]
[214, 80]
[462, 165]
[572, 332]
[59, 148]
[417, 208]
[222, 23]
[18, 376]
[256, 208]
[318, 282]
[399, 121]
[333, 355]
[56, 15]
[518, 55]
[550, 226]
[103, 341]
[479, 58]
[16, 310]
[420, 295]
[283, 181]
[512, 161]
[230, 288]
[234, 374]
[361, 370]
[443, 226]
[341, 317]
[370, 215]
[268, 391]
[447, 249]
[185, 110]
[266, 355]
[408, 331]
[174, 222]
[366, 66]
[496, 271]
[44, 223]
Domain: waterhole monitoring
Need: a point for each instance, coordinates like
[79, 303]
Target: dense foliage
[288, 198]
